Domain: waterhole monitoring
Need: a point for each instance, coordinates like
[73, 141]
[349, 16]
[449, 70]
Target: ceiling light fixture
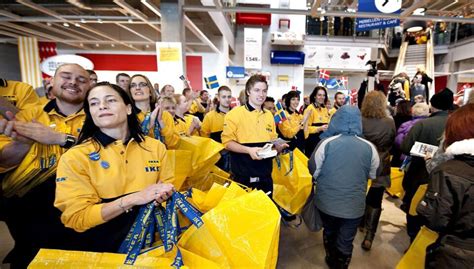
[112, 45]
[66, 24]
[147, 46]
[130, 20]
[83, 20]
[97, 44]
[49, 24]
[77, 24]
[419, 11]
[100, 20]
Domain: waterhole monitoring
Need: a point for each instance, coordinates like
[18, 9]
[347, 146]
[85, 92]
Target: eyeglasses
[141, 85]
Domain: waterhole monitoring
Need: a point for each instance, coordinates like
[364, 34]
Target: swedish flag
[211, 82]
[280, 115]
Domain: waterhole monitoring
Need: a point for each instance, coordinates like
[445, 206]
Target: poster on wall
[169, 58]
[337, 57]
[253, 48]
[378, 6]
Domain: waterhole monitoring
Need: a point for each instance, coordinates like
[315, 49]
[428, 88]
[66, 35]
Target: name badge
[254, 179]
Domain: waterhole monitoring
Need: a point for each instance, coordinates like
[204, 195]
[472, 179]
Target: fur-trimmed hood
[461, 147]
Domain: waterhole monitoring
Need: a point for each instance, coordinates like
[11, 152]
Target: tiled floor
[300, 248]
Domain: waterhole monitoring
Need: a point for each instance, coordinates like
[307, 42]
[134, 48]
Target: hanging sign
[378, 6]
[253, 48]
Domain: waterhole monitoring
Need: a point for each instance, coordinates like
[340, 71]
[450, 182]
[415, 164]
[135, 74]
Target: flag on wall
[211, 82]
[324, 74]
[46, 50]
[280, 115]
[344, 81]
[29, 61]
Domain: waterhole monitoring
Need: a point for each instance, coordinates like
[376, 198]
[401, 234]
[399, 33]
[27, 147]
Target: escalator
[412, 57]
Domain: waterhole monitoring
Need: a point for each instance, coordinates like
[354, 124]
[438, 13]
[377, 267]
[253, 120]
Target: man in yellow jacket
[38, 137]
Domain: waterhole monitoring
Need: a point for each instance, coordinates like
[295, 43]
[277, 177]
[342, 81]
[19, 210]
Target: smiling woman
[113, 169]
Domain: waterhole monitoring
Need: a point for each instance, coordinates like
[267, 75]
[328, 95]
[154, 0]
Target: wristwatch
[70, 141]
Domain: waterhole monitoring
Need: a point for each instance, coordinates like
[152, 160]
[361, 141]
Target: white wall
[295, 72]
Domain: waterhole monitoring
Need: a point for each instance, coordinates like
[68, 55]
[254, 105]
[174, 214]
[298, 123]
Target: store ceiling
[133, 25]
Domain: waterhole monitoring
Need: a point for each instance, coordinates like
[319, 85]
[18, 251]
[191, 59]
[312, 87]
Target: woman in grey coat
[379, 128]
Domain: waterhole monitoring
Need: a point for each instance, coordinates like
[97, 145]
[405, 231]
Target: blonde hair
[374, 105]
[420, 109]
[166, 99]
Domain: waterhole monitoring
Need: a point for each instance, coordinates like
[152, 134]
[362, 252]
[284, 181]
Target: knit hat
[443, 100]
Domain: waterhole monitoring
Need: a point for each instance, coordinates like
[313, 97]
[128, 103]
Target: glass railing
[337, 26]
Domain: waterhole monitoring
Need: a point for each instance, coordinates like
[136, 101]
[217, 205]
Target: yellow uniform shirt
[41, 160]
[167, 132]
[319, 117]
[213, 124]
[20, 94]
[291, 126]
[292, 130]
[250, 127]
[195, 107]
[182, 125]
[83, 182]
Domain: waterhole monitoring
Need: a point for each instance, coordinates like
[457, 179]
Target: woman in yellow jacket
[185, 124]
[318, 119]
[149, 113]
[113, 169]
[293, 128]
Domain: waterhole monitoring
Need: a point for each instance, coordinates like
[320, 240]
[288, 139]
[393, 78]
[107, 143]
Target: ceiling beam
[51, 28]
[34, 32]
[82, 19]
[47, 11]
[193, 8]
[136, 13]
[9, 14]
[152, 7]
[314, 8]
[79, 34]
[104, 35]
[134, 32]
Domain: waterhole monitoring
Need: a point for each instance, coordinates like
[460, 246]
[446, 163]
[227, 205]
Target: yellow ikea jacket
[292, 125]
[182, 125]
[83, 180]
[319, 117]
[195, 108]
[249, 127]
[20, 94]
[41, 160]
[213, 124]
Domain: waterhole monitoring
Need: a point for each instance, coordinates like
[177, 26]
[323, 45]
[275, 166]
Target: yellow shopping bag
[238, 233]
[414, 258]
[204, 154]
[291, 182]
[158, 258]
[178, 162]
[419, 194]
[206, 201]
[396, 177]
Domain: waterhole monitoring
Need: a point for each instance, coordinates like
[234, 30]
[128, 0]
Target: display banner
[378, 6]
[336, 57]
[253, 48]
[170, 63]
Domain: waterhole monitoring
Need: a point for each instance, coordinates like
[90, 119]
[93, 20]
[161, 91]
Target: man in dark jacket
[427, 131]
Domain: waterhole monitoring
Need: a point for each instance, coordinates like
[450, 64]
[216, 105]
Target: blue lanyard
[153, 218]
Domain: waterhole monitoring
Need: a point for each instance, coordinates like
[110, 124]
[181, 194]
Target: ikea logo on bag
[152, 169]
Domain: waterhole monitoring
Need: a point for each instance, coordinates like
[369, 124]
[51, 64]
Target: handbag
[310, 213]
